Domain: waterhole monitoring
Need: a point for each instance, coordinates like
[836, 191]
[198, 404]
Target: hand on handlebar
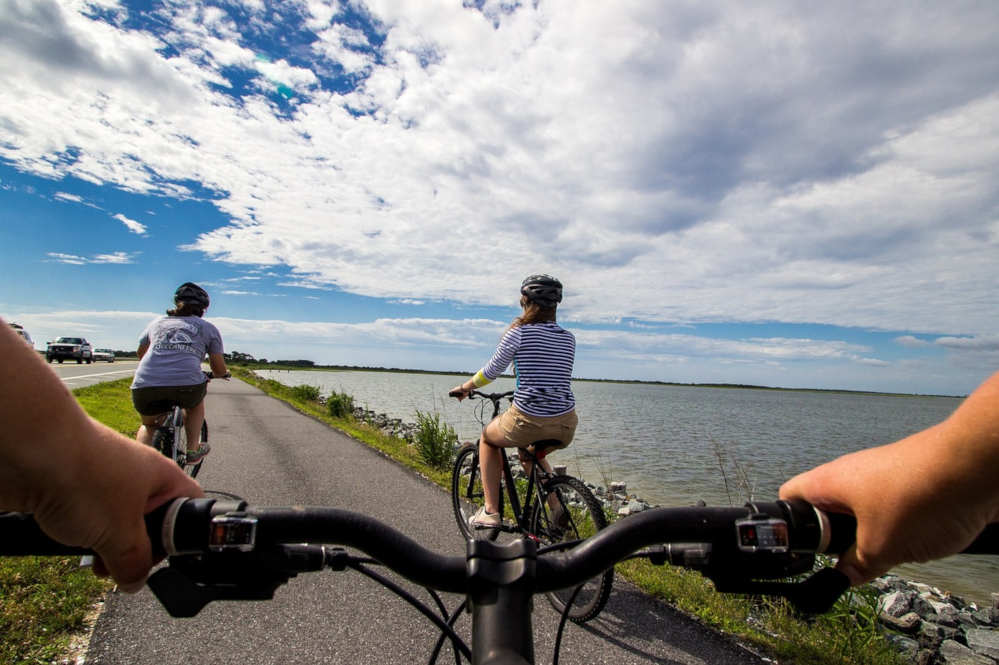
[923, 497]
[459, 392]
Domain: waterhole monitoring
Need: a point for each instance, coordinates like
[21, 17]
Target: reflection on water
[674, 445]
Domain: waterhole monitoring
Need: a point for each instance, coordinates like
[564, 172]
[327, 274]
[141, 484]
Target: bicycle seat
[541, 448]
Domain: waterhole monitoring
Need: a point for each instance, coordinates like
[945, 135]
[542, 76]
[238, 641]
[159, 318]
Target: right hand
[910, 506]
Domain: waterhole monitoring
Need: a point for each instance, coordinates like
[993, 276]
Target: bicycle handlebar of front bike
[228, 550]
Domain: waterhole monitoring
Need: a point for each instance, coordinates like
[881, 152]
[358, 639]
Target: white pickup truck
[70, 348]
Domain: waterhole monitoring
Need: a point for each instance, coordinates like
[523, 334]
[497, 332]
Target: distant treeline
[248, 360]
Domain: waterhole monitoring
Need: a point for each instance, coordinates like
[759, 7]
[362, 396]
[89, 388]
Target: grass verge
[45, 601]
[847, 635]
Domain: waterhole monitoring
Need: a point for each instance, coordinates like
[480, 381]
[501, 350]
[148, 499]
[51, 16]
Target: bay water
[675, 445]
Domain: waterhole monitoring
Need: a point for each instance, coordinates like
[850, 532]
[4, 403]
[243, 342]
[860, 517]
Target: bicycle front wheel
[466, 493]
[568, 512]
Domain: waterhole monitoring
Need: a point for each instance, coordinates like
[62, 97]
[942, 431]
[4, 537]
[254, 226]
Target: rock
[946, 613]
[906, 646]
[923, 608]
[618, 487]
[926, 657]
[953, 653]
[895, 604]
[631, 508]
[930, 635]
[907, 623]
[984, 642]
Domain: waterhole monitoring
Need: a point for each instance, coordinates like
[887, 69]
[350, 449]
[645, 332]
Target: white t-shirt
[177, 346]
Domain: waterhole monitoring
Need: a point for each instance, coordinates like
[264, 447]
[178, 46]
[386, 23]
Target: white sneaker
[483, 520]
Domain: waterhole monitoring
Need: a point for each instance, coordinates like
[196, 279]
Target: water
[674, 445]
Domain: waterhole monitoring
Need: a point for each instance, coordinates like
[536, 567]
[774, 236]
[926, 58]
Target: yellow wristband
[480, 379]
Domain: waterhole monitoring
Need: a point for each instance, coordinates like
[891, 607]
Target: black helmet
[191, 293]
[542, 289]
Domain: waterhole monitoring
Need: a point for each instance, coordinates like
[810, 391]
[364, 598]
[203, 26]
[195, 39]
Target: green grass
[44, 601]
[847, 635]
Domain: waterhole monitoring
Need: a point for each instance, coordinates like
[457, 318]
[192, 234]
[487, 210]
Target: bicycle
[557, 510]
[170, 435]
[228, 550]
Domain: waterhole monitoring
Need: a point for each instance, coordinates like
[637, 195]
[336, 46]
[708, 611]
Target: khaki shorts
[156, 400]
[523, 430]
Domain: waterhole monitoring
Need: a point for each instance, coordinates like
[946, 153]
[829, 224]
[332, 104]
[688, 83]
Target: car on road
[19, 329]
[103, 354]
[70, 348]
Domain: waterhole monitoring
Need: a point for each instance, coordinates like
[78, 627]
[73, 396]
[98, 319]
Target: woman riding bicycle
[542, 353]
[170, 353]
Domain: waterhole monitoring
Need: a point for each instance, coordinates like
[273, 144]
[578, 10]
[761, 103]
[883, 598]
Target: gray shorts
[160, 399]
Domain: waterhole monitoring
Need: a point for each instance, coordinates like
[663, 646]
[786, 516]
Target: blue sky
[775, 194]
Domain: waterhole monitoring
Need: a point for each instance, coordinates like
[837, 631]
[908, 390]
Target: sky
[786, 194]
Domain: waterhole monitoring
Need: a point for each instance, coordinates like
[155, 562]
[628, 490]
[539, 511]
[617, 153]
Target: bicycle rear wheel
[467, 495]
[163, 441]
[578, 515]
[180, 436]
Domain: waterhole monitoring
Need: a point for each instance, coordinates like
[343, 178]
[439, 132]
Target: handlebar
[228, 550]
[761, 540]
[495, 397]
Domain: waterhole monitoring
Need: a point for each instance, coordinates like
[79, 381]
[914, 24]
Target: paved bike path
[270, 454]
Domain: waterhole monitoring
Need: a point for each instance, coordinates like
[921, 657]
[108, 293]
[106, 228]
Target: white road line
[90, 376]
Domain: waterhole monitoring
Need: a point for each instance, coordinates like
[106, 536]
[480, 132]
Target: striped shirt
[542, 355]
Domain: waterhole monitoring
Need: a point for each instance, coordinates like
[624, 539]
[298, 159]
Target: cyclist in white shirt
[170, 353]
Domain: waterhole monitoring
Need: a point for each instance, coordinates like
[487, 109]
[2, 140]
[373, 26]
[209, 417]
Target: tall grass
[340, 405]
[435, 441]
[305, 393]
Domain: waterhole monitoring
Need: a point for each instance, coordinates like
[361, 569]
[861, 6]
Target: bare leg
[145, 433]
[491, 464]
[192, 424]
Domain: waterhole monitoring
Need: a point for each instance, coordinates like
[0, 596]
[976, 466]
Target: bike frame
[534, 485]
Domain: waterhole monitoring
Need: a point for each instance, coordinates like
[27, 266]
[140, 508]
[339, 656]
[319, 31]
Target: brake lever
[814, 595]
[192, 581]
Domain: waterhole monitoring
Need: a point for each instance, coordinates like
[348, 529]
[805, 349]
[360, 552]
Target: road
[78, 376]
[270, 454]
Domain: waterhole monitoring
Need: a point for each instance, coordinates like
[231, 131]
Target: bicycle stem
[501, 587]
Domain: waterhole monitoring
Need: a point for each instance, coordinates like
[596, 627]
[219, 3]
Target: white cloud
[75, 259]
[912, 341]
[62, 257]
[131, 224]
[763, 162]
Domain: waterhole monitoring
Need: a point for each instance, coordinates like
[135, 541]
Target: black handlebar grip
[987, 541]
[842, 532]
[21, 536]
